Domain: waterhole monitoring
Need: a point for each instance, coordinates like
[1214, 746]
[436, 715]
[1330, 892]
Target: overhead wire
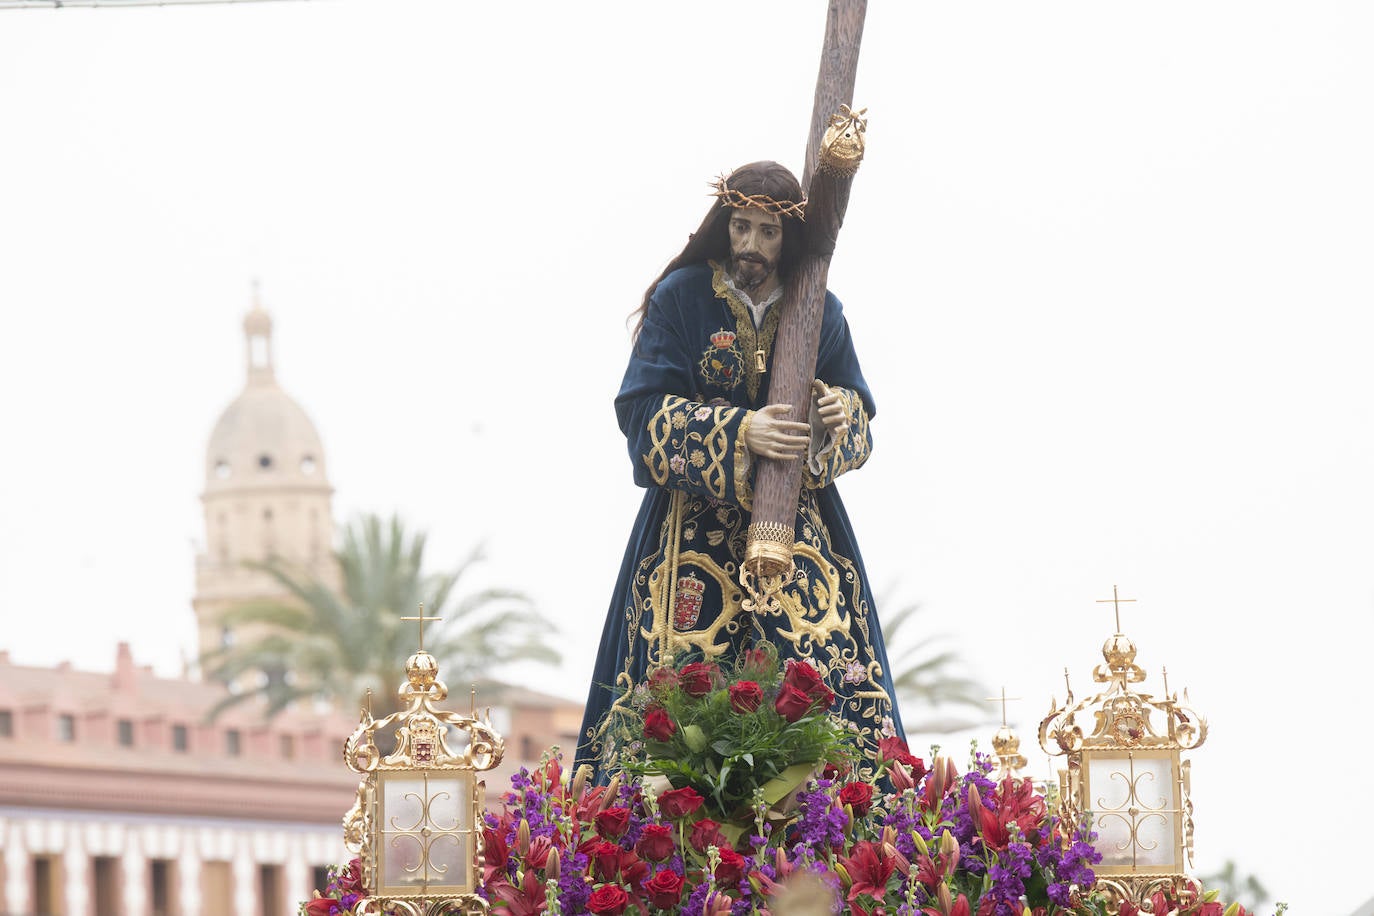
[115, 4]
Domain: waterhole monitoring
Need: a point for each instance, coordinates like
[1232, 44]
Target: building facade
[119, 798]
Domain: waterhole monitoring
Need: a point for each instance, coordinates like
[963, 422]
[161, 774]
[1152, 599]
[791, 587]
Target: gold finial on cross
[422, 618]
[1116, 601]
[1004, 699]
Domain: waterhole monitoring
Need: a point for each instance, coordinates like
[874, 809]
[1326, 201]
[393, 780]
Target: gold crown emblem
[723, 338]
[690, 585]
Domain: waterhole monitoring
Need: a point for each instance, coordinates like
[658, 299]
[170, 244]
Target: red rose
[858, 796]
[731, 867]
[706, 833]
[803, 677]
[679, 803]
[792, 704]
[665, 890]
[605, 860]
[608, 900]
[745, 696]
[657, 725]
[321, 906]
[895, 749]
[698, 678]
[633, 869]
[655, 842]
[613, 822]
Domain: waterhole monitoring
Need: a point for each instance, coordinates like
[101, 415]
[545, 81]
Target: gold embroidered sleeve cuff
[698, 448]
[841, 454]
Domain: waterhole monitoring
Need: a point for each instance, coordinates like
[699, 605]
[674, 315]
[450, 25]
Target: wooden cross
[778, 481]
[1004, 699]
[422, 618]
[1116, 601]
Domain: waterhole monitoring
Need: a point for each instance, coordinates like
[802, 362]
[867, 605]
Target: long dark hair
[711, 241]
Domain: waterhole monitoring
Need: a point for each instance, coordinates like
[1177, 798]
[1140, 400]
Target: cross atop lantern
[1006, 746]
[1126, 776]
[416, 824]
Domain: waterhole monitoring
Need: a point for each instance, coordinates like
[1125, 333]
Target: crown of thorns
[732, 198]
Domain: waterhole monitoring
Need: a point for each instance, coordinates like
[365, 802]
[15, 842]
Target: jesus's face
[755, 247]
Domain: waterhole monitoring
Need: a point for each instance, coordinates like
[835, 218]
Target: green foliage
[337, 644]
[725, 753]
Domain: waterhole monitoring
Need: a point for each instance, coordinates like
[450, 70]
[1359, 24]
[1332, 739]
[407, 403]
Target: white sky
[1107, 268]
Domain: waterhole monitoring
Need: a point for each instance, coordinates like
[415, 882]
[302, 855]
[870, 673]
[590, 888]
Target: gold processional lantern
[1006, 746]
[416, 824]
[1128, 778]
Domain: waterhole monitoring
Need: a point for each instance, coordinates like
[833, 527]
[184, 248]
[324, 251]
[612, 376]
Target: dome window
[265, 461]
[222, 469]
[308, 465]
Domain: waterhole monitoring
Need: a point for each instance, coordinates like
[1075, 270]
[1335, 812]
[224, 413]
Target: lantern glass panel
[425, 832]
[1135, 808]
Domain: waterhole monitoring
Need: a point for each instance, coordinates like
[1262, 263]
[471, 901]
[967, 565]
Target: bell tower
[266, 494]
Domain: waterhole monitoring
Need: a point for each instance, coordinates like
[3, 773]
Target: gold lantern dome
[422, 671]
[1007, 746]
[1119, 652]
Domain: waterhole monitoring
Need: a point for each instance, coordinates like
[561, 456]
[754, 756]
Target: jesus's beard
[751, 271]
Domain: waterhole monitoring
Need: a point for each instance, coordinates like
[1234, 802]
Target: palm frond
[338, 643]
[925, 674]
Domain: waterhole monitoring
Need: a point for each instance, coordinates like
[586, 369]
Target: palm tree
[1234, 886]
[928, 678]
[336, 644]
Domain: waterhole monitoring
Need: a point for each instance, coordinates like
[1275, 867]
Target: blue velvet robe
[689, 388]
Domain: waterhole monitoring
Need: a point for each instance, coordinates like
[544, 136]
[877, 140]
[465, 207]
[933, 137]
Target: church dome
[257, 322]
[263, 440]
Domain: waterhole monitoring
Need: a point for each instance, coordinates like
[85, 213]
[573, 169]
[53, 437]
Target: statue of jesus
[694, 410]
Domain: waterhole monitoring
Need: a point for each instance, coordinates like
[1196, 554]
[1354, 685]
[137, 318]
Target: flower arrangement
[732, 735]
[692, 823]
[941, 844]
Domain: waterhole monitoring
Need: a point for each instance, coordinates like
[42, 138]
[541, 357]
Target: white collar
[756, 310]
